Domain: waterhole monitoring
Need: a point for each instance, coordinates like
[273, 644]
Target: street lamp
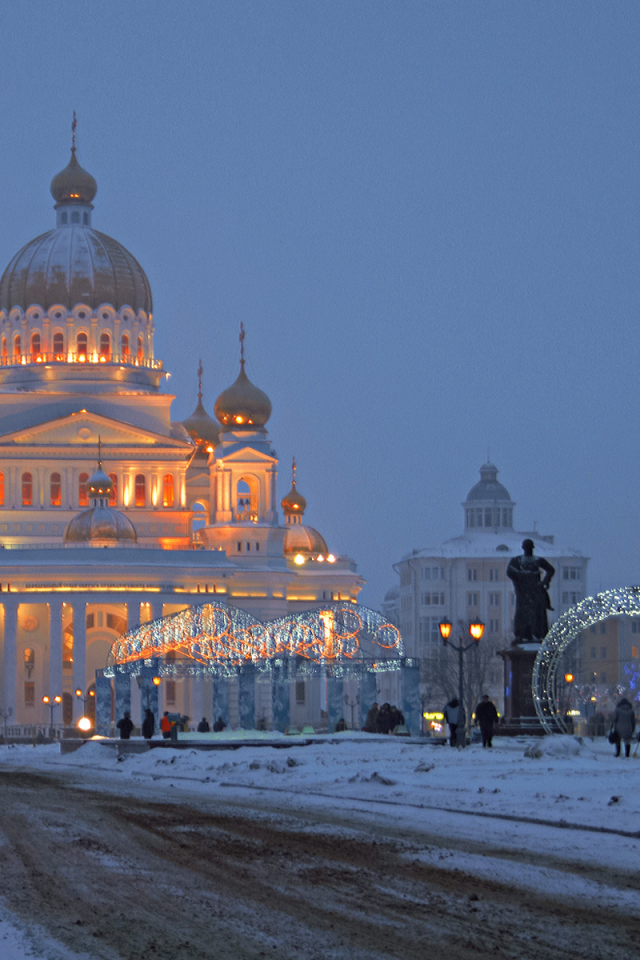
[52, 703]
[85, 700]
[5, 714]
[476, 629]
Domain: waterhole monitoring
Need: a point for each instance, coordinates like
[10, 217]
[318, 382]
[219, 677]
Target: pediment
[84, 429]
[245, 453]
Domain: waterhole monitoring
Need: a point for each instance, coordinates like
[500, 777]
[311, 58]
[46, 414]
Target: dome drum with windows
[75, 305]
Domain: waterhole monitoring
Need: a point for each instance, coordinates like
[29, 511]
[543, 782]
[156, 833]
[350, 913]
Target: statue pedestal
[519, 712]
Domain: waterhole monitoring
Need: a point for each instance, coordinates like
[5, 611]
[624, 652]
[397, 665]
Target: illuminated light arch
[219, 638]
[564, 632]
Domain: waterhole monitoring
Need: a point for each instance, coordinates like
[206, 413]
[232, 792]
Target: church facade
[111, 513]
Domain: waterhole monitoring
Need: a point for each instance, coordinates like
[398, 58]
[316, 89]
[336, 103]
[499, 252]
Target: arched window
[58, 346]
[140, 490]
[17, 346]
[67, 708]
[139, 348]
[35, 343]
[198, 518]
[83, 495]
[63, 217]
[85, 218]
[124, 345]
[81, 344]
[27, 490]
[113, 498]
[167, 490]
[1, 489]
[29, 656]
[105, 345]
[75, 217]
[4, 346]
[55, 490]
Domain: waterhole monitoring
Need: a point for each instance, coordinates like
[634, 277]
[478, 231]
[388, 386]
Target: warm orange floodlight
[445, 628]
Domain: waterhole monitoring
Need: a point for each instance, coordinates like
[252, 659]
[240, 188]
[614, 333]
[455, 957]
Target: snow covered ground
[554, 803]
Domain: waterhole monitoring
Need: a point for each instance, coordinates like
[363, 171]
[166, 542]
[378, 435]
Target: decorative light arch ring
[564, 632]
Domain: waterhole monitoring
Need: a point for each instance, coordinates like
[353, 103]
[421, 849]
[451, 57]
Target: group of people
[383, 719]
[125, 725]
[486, 716]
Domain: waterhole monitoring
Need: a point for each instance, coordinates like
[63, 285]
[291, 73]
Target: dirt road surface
[134, 877]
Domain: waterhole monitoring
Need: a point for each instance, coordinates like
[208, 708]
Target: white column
[79, 655]
[55, 653]
[156, 608]
[10, 656]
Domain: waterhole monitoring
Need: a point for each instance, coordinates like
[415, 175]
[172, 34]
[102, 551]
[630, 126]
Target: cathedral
[112, 514]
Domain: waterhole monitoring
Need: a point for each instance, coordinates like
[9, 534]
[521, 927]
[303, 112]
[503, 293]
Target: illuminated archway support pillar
[149, 694]
[247, 696]
[79, 655]
[368, 694]
[123, 693]
[103, 706]
[410, 685]
[219, 700]
[335, 701]
[281, 695]
[55, 653]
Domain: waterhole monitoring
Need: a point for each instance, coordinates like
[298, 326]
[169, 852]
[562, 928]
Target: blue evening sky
[425, 214]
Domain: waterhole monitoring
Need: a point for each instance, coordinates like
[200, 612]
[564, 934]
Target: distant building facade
[466, 577]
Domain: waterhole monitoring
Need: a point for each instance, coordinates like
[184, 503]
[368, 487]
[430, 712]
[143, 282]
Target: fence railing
[21, 359]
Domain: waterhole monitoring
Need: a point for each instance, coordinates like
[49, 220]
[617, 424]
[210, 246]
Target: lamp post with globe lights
[84, 723]
[476, 630]
[52, 703]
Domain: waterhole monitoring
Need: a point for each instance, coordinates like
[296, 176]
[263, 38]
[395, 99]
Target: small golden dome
[201, 427]
[304, 540]
[242, 406]
[73, 184]
[294, 504]
[100, 485]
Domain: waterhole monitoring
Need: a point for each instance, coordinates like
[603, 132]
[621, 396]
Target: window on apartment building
[27, 490]
[472, 599]
[570, 597]
[494, 626]
[593, 653]
[571, 573]
[603, 653]
[433, 599]
[493, 573]
[634, 652]
[55, 493]
[603, 628]
[472, 573]
[635, 626]
[603, 676]
[494, 599]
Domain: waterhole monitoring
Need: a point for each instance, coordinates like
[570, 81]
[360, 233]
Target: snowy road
[322, 852]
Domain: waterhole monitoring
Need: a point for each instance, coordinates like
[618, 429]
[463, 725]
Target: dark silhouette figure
[341, 725]
[148, 724]
[371, 725]
[397, 718]
[219, 725]
[623, 723]
[532, 598]
[384, 719]
[125, 726]
[454, 715]
[486, 716]
[203, 726]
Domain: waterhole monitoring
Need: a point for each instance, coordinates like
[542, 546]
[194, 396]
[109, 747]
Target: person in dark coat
[623, 723]
[203, 726]
[486, 716]
[125, 726]
[454, 716]
[396, 718]
[341, 725]
[383, 722]
[219, 725]
[371, 725]
[148, 724]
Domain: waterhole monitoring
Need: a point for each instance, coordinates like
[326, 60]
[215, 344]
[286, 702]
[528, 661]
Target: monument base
[519, 712]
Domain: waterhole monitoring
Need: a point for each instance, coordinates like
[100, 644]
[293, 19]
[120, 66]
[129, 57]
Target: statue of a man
[532, 598]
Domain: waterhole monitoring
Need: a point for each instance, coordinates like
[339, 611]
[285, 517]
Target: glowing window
[83, 495]
[55, 490]
[58, 345]
[27, 489]
[139, 348]
[1, 488]
[4, 346]
[167, 490]
[35, 343]
[105, 345]
[113, 497]
[17, 346]
[140, 490]
[124, 345]
[81, 344]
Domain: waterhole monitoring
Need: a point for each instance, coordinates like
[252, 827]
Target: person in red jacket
[165, 725]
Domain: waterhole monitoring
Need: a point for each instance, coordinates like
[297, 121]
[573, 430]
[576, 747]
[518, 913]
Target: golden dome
[200, 426]
[242, 406]
[304, 540]
[294, 504]
[100, 485]
[73, 184]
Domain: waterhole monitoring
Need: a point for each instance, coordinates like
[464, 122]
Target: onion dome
[242, 406]
[301, 539]
[73, 184]
[101, 525]
[200, 426]
[294, 504]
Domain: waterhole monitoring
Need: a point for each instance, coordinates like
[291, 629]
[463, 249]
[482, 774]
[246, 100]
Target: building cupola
[242, 406]
[101, 525]
[488, 505]
[294, 504]
[202, 428]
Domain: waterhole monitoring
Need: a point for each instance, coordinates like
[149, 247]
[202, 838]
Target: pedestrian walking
[623, 723]
[371, 725]
[486, 716]
[455, 717]
[165, 725]
[148, 724]
[125, 726]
